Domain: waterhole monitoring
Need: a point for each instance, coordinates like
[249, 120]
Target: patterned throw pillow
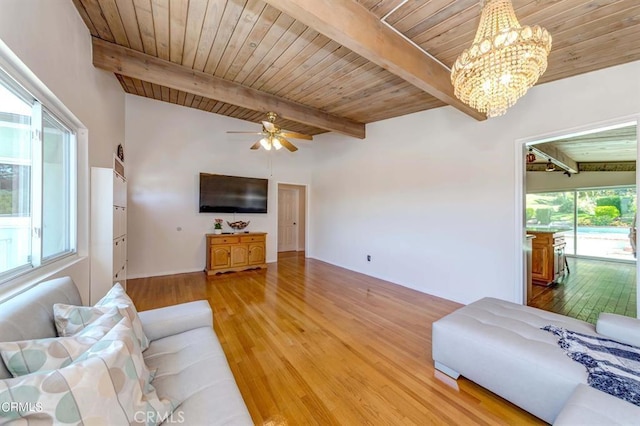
[108, 384]
[71, 319]
[30, 356]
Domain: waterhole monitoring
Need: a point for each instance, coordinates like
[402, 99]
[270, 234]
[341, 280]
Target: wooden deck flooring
[312, 343]
[593, 286]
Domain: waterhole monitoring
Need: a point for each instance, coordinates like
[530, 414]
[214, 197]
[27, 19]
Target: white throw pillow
[30, 356]
[71, 319]
[108, 384]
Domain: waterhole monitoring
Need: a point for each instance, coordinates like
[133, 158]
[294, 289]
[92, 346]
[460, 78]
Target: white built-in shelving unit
[108, 229]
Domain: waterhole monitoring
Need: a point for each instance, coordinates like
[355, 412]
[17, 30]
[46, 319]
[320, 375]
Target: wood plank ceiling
[254, 45]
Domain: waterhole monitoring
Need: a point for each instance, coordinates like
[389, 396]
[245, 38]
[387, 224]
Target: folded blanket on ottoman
[613, 367]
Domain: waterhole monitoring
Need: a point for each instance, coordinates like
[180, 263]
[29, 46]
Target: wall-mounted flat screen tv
[232, 194]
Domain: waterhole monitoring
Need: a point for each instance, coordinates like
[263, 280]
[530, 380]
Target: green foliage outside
[609, 201]
[605, 215]
[585, 220]
[6, 202]
[607, 210]
[598, 207]
[530, 212]
[543, 216]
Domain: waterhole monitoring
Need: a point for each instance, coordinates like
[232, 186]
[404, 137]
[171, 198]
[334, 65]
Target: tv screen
[232, 194]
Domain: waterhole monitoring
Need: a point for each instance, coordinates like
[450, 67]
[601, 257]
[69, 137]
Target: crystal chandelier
[503, 62]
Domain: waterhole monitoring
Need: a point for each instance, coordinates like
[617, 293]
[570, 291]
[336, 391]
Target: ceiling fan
[275, 137]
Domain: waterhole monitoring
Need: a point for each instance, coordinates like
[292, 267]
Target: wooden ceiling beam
[127, 62]
[354, 27]
[602, 166]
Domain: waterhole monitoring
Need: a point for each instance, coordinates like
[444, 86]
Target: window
[37, 189]
[596, 222]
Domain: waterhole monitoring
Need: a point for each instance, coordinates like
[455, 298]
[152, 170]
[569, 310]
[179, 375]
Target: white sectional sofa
[500, 346]
[190, 365]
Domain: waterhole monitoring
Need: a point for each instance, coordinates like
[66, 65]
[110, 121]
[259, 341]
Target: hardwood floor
[312, 343]
[593, 286]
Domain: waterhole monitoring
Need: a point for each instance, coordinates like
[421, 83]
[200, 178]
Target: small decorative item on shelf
[217, 226]
[238, 225]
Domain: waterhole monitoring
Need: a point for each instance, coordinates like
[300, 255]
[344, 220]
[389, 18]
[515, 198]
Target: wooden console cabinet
[235, 252]
[547, 257]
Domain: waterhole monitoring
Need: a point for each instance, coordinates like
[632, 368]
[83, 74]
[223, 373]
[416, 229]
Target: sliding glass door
[553, 211]
[595, 222]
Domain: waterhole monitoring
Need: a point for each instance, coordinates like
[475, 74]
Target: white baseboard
[160, 274]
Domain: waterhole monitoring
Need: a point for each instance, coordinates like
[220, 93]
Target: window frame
[23, 84]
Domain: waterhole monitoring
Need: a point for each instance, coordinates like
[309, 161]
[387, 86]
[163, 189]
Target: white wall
[431, 196]
[167, 147]
[556, 181]
[51, 39]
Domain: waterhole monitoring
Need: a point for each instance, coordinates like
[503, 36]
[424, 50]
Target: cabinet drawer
[542, 239]
[225, 240]
[252, 238]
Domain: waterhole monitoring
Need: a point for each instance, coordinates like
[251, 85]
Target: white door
[287, 219]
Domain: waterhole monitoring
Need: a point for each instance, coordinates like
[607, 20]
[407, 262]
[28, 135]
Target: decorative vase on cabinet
[217, 226]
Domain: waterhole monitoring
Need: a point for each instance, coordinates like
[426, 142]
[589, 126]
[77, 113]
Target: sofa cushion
[70, 320]
[108, 384]
[30, 356]
[29, 314]
[192, 369]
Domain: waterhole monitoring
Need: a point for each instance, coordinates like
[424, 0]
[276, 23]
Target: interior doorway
[580, 189]
[291, 217]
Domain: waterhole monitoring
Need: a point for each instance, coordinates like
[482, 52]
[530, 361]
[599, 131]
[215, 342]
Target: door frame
[306, 213]
[520, 181]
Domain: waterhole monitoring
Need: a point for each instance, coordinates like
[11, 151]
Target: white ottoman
[500, 346]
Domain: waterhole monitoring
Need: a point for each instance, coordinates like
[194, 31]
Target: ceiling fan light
[276, 143]
[265, 144]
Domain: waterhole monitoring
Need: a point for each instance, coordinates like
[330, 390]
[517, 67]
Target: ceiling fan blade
[270, 126]
[255, 145]
[246, 133]
[291, 147]
[295, 135]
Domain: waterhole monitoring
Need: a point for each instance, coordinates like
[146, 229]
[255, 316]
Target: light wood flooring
[592, 286]
[312, 343]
